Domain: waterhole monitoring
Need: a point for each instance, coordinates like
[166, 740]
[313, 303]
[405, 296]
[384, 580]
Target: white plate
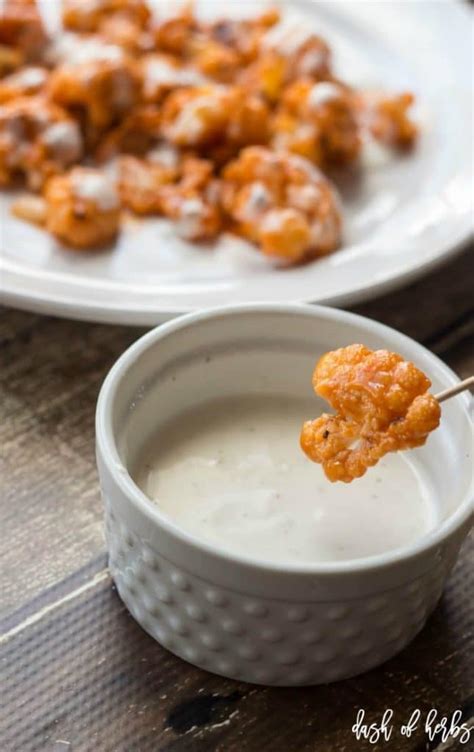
[405, 216]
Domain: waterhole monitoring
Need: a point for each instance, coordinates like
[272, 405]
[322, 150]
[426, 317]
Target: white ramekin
[242, 618]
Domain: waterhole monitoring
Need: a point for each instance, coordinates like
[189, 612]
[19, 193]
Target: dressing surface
[232, 473]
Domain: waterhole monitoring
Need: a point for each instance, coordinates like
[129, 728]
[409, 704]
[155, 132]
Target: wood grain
[50, 512]
[86, 673]
[79, 674]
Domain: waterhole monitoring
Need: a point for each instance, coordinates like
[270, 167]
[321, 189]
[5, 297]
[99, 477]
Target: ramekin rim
[106, 443]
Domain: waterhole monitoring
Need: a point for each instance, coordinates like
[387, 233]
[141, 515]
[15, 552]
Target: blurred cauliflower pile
[229, 125]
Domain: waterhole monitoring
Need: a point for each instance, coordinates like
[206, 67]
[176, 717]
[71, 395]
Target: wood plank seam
[444, 341]
[54, 592]
[38, 615]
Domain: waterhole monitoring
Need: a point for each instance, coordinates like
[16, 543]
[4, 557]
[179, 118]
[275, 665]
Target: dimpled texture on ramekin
[267, 640]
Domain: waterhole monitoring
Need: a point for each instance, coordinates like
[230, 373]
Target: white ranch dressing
[259, 200]
[160, 72]
[232, 473]
[189, 222]
[165, 155]
[73, 50]
[322, 93]
[29, 78]
[96, 187]
[190, 124]
[64, 140]
[311, 62]
[304, 197]
[287, 38]
[324, 231]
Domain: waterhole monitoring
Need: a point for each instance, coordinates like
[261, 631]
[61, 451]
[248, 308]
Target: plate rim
[87, 309]
[132, 315]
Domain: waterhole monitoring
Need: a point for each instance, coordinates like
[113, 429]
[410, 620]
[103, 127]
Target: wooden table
[77, 673]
